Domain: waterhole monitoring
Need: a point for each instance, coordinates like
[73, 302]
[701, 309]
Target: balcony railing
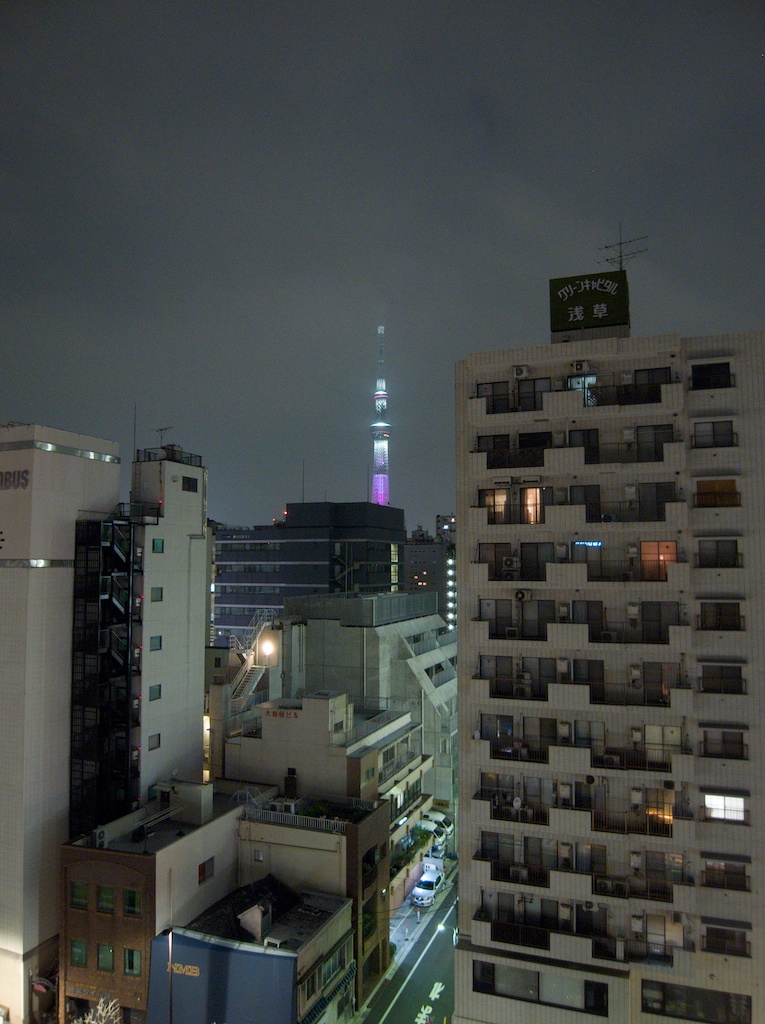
[633, 822]
[720, 622]
[639, 888]
[720, 499]
[719, 684]
[518, 750]
[526, 874]
[596, 512]
[732, 817]
[634, 950]
[520, 934]
[511, 686]
[722, 944]
[635, 757]
[613, 571]
[722, 748]
[621, 452]
[725, 880]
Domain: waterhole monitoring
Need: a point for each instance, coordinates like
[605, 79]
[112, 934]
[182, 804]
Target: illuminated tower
[380, 429]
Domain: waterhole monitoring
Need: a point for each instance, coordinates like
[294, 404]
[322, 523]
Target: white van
[441, 819]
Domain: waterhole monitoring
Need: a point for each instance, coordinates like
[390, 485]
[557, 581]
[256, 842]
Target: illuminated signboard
[589, 300]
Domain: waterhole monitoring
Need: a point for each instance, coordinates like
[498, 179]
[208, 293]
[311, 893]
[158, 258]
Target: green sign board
[589, 300]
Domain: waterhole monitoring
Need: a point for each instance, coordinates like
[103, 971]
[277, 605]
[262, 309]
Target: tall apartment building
[611, 560]
[317, 548]
[47, 479]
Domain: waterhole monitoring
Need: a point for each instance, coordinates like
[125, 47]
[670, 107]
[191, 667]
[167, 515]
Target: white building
[610, 553]
[47, 479]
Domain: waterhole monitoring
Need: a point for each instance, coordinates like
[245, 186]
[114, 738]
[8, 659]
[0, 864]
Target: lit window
[721, 807]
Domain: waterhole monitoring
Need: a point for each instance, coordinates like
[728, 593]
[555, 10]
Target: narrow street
[419, 987]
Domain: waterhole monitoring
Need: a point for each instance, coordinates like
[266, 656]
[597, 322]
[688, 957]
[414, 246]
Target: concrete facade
[611, 617]
[47, 479]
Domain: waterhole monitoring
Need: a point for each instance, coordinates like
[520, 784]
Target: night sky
[208, 208]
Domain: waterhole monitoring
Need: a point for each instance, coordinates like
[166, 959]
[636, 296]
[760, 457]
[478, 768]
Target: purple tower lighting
[380, 429]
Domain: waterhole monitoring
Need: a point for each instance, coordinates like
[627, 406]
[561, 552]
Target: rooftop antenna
[162, 431]
[618, 254]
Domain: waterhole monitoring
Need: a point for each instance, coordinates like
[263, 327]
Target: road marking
[435, 934]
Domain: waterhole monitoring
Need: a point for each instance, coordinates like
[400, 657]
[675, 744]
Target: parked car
[429, 886]
[439, 836]
[441, 819]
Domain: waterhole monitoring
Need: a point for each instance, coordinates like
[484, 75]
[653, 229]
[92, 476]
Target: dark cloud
[206, 209]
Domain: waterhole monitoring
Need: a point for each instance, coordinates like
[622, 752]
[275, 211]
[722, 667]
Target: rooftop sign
[589, 300]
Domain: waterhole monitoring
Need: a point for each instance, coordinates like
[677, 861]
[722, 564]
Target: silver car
[429, 886]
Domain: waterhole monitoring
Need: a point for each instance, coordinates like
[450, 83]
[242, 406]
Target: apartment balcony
[520, 934]
[633, 822]
[518, 750]
[720, 622]
[633, 757]
[634, 950]
[595, 512]
[632, 888]
[507, 686]
[616, 453]
[525, 874]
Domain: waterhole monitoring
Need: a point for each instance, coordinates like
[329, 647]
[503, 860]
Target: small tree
[104, 1013]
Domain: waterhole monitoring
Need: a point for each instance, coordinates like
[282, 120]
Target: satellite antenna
[162, 431]
[618, 254]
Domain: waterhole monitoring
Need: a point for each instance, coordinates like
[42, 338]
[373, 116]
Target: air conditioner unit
[511, 633]
[558, 384]
[561, 668]
[101, 838]
[630, 492]
[563, 613]
[636, 734]
[632, 551]
[608, 636]
[520, 372]
[564, 792]
[561, 495]
[522, 595]
[633, 611]
[636, 796]
[636, 673]
[627, 377]
[509, 562]
[581, 366]
[559, 439]
[637, 924]
[561, 552]
[628, 434]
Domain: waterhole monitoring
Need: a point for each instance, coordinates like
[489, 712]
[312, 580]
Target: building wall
[180, 573]
[39, 503]
[624, 768]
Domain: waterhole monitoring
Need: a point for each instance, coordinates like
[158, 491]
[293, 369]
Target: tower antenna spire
[618, 254]
[380, 429]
